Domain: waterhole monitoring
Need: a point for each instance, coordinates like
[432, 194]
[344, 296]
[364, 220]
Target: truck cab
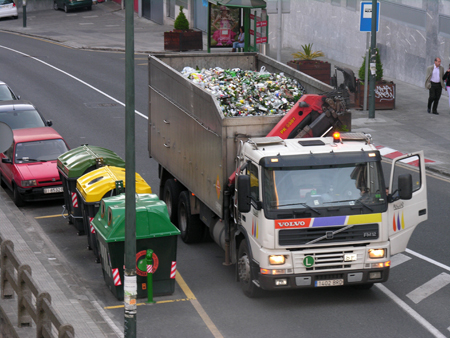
[317, 212]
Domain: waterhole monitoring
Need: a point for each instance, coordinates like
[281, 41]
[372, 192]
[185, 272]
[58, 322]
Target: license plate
[331, 282]
[53, 190]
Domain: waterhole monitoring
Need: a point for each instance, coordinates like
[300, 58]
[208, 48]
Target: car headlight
[29, 183]
[277, 259]
[377, 253]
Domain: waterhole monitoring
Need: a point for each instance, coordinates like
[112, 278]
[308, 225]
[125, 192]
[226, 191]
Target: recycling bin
[153, 231]
[95, 185]
[74, 164]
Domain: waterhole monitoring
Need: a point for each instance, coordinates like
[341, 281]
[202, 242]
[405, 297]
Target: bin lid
[152, 218]
[75, 162]
[95, 184]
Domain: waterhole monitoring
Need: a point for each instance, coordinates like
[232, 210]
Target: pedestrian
[446, 79]
[434, 83]
[240, 42]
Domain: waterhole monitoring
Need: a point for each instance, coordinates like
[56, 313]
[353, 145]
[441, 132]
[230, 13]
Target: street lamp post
[24, 12]
[373, 60]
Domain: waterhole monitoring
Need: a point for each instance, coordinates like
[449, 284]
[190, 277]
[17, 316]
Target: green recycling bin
[153, 231]
[95, 185]
[74, 164]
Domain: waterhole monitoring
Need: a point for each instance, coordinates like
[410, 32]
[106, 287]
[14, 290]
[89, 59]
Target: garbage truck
[301, 212]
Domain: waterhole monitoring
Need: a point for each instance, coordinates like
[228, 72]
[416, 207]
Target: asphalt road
[78, 89]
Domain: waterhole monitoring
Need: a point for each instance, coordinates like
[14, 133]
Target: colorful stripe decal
[359, 219]
[328, 221]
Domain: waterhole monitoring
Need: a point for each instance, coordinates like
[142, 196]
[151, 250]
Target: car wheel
[245, 272]
[89, 8]
[55, 6]
[18, 200]
[171, 193]
[191, 227]
[66, 9]
[16, 17]
[2, 184]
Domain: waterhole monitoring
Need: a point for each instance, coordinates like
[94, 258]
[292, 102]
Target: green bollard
[149, 258]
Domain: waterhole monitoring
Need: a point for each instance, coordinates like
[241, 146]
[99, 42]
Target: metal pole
[149, 258]
[279, 14]
[366, 76]
[24, 13]
[130, 283]
[373, 60]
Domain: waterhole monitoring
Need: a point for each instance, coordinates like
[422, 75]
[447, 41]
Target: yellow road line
[142, 304]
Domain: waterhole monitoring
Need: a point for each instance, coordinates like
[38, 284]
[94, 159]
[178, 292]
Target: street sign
[365, 24]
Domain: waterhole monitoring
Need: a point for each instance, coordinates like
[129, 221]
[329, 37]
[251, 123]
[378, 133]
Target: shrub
[378, 65]
[181, 22]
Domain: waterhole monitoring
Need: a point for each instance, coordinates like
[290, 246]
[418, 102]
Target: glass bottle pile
[246, 92]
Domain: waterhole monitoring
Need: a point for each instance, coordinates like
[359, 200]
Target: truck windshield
[324, 190]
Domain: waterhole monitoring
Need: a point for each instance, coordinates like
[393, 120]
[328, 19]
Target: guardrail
[33, 305]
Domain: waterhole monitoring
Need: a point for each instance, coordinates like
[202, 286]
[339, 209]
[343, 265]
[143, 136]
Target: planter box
[183, 40]
[319, 70]
[384, 95]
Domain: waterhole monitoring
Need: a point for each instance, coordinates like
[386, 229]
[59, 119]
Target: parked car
[6, 93]
[8, 8]
[29, 168]
[69, 5]
[21, 114]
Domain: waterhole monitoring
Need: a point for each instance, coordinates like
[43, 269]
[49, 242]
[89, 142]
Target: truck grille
[333, 260]
[362, 232]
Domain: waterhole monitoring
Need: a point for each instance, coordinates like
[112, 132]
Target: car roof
[15, 105]
[35, 134]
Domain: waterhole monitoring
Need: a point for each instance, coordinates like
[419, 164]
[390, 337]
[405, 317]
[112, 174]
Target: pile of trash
[247, 92]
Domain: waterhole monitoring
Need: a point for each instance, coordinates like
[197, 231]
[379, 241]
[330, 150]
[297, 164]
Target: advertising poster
[225, 24]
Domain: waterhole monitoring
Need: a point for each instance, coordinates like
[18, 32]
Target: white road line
[429, 260]
[422, 321]
[85, 23]
[73, 77]
[385, 150]
[398, 259]
[430, 287]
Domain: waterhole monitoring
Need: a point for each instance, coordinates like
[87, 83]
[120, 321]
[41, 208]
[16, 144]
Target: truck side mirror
[243, 185]
[405, 186]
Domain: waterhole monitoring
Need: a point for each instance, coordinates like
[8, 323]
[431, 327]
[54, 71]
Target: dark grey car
[19, 114]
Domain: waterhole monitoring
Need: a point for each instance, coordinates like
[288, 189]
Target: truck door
[405, 215]
[250, 220]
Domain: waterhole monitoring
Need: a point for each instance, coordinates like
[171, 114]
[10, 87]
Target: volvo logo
[329, 234]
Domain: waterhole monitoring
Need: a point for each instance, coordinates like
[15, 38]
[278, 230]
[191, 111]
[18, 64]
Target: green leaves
[181, 22]
[307, 53]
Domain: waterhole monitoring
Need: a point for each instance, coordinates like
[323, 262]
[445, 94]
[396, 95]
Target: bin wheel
[191, 226]
[18, 200]
[245, 272]
[170, 196]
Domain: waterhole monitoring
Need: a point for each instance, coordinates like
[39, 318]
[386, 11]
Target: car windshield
[20, 119]
[5, 93]
[6, 2]
[312, 189]
[39, 151]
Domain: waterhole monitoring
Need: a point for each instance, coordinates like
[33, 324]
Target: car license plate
[53, 190]
[331, 282]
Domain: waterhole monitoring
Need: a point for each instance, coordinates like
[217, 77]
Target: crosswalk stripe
[399, 259]
[429, 287]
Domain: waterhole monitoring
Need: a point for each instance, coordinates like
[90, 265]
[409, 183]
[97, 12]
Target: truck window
[414, 171]
[252, 170]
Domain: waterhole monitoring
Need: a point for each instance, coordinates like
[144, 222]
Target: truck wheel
[18, 200]
[245, 272]
[190, 225]
[170, 196]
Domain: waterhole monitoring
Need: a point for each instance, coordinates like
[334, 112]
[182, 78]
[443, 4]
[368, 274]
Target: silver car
[6, 93]
[8, 8]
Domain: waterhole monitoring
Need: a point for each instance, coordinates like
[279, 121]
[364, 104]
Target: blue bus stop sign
[365, 24]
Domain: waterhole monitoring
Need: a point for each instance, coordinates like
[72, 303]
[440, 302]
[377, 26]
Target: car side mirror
[243, 185]
[405, 186]
[6, 160]
[49, 123]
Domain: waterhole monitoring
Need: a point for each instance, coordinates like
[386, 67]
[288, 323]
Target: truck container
[302, 212]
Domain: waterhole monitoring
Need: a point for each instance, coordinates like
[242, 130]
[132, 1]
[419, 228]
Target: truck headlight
[377, 253]
[277, 259]
[28, 183]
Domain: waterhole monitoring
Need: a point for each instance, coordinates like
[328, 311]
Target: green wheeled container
[153, 231]
[74, 164]
[99, 183]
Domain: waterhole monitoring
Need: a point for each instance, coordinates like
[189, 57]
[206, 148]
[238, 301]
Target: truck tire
[191, 226]
[245, 272]
[170, 196]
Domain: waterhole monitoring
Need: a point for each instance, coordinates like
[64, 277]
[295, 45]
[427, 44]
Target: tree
[181, 22]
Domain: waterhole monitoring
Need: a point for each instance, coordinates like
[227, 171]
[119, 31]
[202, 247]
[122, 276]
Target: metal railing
[33, 305]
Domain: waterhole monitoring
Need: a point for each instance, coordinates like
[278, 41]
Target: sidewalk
[406, 129]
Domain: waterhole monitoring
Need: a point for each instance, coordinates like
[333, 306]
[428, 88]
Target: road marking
[422, 321]
[50, 216]
[144, 304]
[399, 259]
[429, 260]
[429, 288]
[85, 23]
[73, 77]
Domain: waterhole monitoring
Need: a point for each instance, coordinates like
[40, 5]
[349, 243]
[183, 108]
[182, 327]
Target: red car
[28, 167]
